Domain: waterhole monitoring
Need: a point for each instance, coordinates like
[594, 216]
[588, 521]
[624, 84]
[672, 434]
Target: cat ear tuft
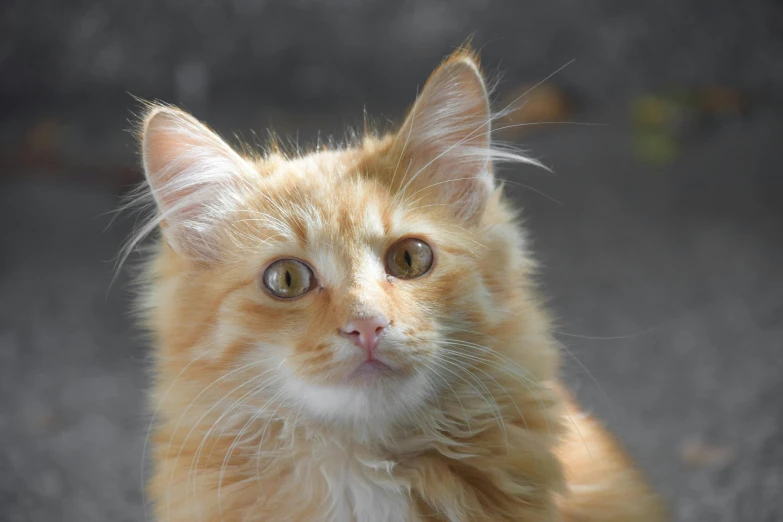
[194, 177]
[444, 144]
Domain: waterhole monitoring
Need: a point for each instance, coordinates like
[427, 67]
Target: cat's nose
[365, 332]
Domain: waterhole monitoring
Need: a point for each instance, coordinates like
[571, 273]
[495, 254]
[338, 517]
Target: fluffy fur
[258, 414]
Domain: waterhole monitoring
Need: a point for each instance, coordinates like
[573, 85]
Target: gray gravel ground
[668, 283]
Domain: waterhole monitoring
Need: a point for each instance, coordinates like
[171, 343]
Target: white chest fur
[362, 491]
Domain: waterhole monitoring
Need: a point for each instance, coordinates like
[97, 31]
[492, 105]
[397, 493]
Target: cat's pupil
[408, 258]
[288, 279]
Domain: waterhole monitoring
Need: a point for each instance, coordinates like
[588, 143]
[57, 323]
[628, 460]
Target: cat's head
[349, 284]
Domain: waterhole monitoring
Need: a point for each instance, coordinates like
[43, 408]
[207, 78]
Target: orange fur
[256, 414]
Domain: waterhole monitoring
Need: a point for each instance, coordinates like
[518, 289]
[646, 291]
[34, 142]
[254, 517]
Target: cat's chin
[375, 393]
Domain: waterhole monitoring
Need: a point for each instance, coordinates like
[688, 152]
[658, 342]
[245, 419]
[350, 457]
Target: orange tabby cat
[354, 334]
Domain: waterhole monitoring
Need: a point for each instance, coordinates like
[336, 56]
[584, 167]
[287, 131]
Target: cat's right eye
[288, 278]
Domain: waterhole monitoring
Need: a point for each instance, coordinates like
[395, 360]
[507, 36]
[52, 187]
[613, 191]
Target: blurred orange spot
[696, 452]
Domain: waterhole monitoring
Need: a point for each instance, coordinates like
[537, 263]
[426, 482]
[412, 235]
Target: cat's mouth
[371, 370]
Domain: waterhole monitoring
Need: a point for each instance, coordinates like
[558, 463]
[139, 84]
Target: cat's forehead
[329, 197]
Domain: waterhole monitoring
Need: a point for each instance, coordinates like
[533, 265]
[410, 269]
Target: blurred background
[660, 232]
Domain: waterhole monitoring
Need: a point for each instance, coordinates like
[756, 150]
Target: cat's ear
[444, 144]
[194, 176]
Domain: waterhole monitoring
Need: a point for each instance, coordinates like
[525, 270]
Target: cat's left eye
[409, 258]
[288, 278]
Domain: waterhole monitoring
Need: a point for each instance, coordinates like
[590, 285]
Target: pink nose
[365, 332]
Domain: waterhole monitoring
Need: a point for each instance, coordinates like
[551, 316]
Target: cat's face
[355, 298]
[342, 283]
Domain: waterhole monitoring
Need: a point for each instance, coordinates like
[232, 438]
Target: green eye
[409, 258]
[288, 278]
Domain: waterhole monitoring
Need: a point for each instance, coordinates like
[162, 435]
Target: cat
[355, 334]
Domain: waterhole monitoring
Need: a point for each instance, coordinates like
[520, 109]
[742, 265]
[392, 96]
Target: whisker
[405, 145]
[236, 404]
[524, 382]
[152, 422]
[456, 395]
[489, 399]
[524, 379]
[607, 338]
[592, 378]
[455, 353]
[505, 111]
[261, 438]
[182, 415]
[234, 443]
